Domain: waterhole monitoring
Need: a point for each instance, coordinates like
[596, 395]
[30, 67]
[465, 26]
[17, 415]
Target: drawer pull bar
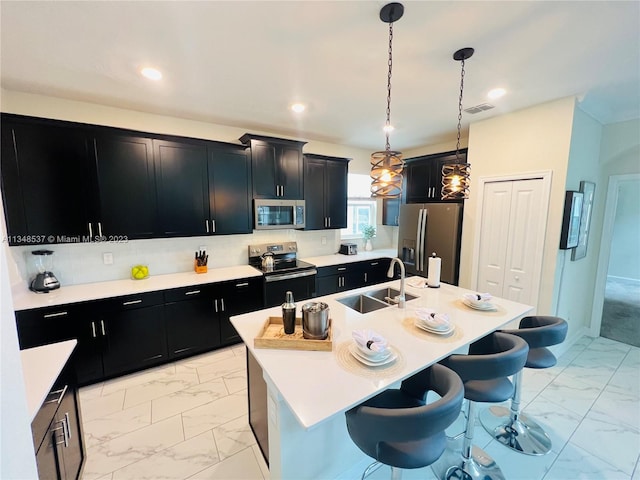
[57, 314]
[340, 269]
[153, 358]
[192, 292]
[131, 302]
[102, 327]
[244, 284]
[62, 391]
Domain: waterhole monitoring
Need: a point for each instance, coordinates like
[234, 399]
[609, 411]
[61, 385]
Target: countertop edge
[41, 366]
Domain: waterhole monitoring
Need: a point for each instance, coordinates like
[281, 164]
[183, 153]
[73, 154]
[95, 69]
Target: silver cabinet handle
[365, 277]
[90, 231]
[243, 284]
[222, 304]
[57, 314]
[68, 421]
[373, 264]
[62, 391]
[99, 229]
[62, 427]
[192, 292]
[216, 304]
[213, 226]
[131, 302]
[93, 329]
[102, 327]
[341, 269]
[329, 222]
[206, 222]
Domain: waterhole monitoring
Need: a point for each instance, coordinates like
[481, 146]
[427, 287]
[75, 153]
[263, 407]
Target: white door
[512, 239]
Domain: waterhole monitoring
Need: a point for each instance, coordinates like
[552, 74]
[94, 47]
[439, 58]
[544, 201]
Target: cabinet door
[46, 182]
[43, 326]
[314, 191]
[263, 165]
[126, 186]
[71, 450]
[335, 193]
[134, 339]
[327, 285]
[230, 191]
[183, 191]
[390, 211]
[48, 458]
[90, 332]
[192, 324]
[289, 174]
[376, 271]
[240, 296]
[419, 182]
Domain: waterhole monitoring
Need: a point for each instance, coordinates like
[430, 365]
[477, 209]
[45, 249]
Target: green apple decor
[139, 272]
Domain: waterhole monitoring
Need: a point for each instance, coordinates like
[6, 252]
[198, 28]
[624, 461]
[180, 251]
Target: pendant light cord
[390, 63]
[460, 111]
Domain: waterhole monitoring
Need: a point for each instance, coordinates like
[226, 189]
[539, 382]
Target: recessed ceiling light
[151, 73]
[496, 93]
[298, 107]
[388, 128]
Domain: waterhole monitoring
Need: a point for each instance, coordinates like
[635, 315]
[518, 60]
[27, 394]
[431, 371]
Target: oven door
[302, 284]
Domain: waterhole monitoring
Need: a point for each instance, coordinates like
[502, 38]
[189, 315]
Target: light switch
[107, 258]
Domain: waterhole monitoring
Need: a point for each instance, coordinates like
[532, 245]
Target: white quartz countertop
[25, 299]
[328, 260]
[41, 366]
[317, 385]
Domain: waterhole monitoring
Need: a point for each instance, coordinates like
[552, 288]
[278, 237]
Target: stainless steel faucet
[400, 299]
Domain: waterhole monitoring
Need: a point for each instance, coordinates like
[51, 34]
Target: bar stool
[485, 374]
[397, 428]
[510, 427]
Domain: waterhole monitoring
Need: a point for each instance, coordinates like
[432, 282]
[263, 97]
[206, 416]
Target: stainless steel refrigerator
[425, 228]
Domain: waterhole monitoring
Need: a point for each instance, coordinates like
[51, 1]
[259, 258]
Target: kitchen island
[309, 391]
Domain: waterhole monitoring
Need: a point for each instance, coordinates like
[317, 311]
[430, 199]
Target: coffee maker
[44, 281]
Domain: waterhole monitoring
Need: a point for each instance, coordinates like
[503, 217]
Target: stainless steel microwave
[272, 214]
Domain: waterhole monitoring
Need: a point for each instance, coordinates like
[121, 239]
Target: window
[361, 208]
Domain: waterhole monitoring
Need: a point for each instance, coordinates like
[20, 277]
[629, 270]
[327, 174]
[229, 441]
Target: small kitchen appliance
[348, 249]
[45, 280]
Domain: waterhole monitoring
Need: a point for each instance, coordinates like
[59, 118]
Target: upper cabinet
[66, 182]
[46, 182]
[390, 211]
[276, 167]
[325, 191]
[423, 176]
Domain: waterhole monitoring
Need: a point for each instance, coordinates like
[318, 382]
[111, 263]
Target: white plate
[426, 326]
[372, 355]
[353, 349]
[485, 306]
[436, 332]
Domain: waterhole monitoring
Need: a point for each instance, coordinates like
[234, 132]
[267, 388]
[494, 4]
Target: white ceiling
[242, 63]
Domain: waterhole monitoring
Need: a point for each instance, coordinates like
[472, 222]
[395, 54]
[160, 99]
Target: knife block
[199, 268]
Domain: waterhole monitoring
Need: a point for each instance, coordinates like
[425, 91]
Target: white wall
[624, 261]
[530, 140]
[82, 263]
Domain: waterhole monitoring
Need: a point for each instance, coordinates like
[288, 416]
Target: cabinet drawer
[44, 417]
[43, 326]
[340, 269]
[133, 301]
[186, 293]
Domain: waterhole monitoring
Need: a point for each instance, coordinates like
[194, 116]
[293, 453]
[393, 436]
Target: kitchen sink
[362, 303]
[385, 293]
[374, 300]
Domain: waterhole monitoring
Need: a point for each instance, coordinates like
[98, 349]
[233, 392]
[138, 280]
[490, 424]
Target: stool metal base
[452, 466]
[523, 434]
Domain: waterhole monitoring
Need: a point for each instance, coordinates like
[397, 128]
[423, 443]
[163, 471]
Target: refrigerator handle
[423, 237]
[418, 234]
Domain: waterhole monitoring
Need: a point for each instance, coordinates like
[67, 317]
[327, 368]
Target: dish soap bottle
[289, 314]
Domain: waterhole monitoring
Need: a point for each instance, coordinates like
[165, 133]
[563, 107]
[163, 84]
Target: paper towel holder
[433, 276]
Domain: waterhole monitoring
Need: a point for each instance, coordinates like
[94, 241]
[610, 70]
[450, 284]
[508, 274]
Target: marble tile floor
[188, 420]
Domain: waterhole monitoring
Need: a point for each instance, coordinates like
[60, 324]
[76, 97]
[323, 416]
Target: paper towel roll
[433, 274]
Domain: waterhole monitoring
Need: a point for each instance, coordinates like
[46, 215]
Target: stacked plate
[432, 322]
[371, 358]
[478, 301]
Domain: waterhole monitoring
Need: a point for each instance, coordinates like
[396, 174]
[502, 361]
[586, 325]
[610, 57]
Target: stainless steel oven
[287, 273]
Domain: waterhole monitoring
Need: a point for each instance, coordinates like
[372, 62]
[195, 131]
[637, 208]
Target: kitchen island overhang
[309, 391]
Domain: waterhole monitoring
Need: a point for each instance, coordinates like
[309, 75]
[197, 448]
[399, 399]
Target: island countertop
[317, 385]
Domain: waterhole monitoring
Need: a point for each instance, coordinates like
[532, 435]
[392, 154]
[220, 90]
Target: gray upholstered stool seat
[508, 425]
[484, 372]
[398, 428]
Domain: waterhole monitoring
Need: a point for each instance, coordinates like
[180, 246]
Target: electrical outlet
[323, 240]
[107, 258]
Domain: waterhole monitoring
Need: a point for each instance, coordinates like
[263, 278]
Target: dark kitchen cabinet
[276, 167]
[325, 192]
[229, 172]
[347, 276]
[423, 176]
[192, 323]
[391, 211]
[45, 181]
[126, 187]
[182, 188]
[240, 296]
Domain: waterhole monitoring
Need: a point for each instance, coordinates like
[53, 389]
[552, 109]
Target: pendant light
[386, 166]
[455, 176]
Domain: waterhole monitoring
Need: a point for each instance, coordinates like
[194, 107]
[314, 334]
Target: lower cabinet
[347, 276]
[240, 296]
[57, 433]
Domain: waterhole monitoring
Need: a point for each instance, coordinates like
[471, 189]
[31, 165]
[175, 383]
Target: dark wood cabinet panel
[230, 190]
[347, 276]
[126, 186]
[45, 181]
[240, 296]
[290, 171]
[423, 176]
[390, 211]
[325, 190]
[182, 188]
